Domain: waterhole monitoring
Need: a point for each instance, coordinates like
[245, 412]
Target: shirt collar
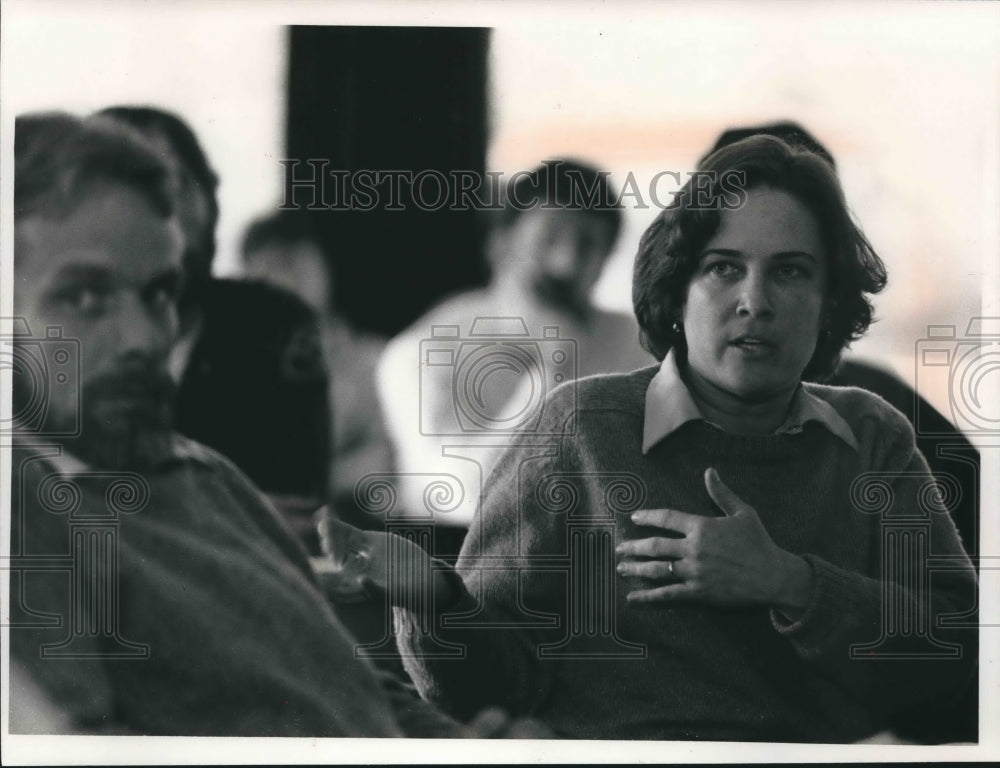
[181, 449]
[669, 406]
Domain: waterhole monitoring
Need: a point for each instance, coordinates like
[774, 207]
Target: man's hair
[152, 121]
[199, 251]
[567, 184]
[670, 248]
[60, 159]
[280, 228]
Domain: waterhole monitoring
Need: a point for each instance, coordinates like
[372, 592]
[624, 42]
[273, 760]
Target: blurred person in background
[218, 626]
[282, 250]
[252, 382]
[546, 253]
[256, 390]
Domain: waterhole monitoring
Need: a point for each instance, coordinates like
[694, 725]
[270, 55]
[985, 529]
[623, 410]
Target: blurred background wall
[905, 95]
[400, 99]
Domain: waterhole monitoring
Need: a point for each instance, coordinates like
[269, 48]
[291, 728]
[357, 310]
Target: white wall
[225, 79]
[906, 96]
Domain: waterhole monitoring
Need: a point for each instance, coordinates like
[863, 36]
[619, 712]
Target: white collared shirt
[669, 405]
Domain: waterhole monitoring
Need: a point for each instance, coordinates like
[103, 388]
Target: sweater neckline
[705, 436]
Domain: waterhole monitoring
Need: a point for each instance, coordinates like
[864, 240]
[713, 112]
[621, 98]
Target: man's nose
[140, 328]
[561, 261]
[755, 296]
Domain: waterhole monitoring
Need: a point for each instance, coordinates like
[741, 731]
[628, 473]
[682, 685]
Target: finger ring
[670, 568]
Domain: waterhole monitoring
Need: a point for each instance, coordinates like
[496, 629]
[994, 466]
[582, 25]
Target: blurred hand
[729, 560]
[356, 566]
[494, 723]
[884, 737]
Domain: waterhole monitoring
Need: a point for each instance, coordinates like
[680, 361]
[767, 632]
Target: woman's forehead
[770, 221]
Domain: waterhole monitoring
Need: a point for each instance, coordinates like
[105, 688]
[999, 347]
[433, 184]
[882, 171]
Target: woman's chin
[756, 387]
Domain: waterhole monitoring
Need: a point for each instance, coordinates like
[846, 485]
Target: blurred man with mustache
[557, 228]
[190, 608]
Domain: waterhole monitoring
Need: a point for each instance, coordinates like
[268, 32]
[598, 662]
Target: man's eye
[162, 294]
[162, 298]
[84, 300]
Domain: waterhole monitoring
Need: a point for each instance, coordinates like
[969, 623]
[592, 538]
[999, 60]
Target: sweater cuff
[833, 600]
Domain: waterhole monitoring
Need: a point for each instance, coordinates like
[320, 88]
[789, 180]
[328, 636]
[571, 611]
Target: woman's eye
[721, 268]
[792, 271]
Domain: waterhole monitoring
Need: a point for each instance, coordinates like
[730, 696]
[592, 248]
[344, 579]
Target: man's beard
[126, 418]
[561, 295]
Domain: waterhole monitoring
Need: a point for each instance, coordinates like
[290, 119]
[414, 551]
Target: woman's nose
[755, 297]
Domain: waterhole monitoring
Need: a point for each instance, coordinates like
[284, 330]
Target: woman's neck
[736, 414]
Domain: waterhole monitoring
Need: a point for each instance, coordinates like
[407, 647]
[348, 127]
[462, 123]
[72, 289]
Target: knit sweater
[544, 621]
[210, 582]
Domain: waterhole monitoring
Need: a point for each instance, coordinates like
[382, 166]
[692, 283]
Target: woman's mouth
[753, 346]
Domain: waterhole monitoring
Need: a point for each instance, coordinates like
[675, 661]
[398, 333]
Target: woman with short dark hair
[670, 248]
[715, 548]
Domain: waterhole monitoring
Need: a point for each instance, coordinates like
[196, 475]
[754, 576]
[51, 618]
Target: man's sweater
[239, 640]
[547, 629]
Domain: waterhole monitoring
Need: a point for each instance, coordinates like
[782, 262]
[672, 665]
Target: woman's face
[755, 302]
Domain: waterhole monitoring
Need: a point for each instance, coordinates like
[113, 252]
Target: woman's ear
[826, 316]
[677, 318]
[828, 313]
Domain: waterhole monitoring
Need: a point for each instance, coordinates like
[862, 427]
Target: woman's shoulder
[864, 411]
[606, 391]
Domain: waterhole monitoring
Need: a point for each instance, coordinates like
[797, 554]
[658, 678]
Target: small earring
[677, 328]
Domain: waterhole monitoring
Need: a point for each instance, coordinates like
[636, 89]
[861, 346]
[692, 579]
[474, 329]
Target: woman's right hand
[729, 560]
